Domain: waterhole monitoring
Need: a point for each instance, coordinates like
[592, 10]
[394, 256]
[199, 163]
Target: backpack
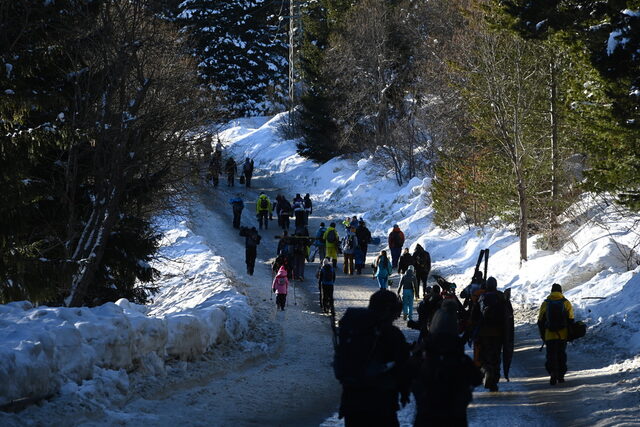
[397, 240]
[492, 309]
[281, 281]
[332, 237]
[348, 243]
[326, 274]
[264, 203]
[285, 207]
[556, 315]
[354, 361]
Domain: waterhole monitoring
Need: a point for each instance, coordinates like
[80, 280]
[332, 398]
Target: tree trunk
[524, 218]
[553, 113]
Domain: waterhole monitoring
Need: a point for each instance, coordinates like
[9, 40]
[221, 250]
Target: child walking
[408, 285]
[280, 286]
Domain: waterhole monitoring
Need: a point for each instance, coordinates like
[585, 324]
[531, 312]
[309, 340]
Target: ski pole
[486, 263]
[271, 286]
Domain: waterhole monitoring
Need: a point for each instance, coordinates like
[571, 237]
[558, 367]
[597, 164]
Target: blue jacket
[320, 236]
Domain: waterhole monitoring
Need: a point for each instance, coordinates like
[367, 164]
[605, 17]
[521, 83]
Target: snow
[90, 354]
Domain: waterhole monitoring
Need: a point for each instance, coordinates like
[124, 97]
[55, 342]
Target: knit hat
[492, 284]
[556, 288]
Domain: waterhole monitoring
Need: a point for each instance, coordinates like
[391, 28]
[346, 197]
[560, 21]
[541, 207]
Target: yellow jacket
[563, 333]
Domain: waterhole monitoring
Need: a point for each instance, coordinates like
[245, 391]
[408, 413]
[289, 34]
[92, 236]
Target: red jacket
[392, 238]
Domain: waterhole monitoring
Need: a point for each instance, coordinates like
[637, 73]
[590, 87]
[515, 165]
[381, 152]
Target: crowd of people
[376, 366]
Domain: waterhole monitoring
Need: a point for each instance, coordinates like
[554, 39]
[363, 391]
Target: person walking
[326, 279]
[364, 236]
[407, 286]
[396, 241]
[422, 262]
[308, 208]
[280, 287]
[373, 374]
[298, 210]
[300, 242]
[237, 205]
[383, 269]
[359, 259]
[263, 207]
[331, 241]
[251, 242]
[320, 243]
[405, 261]
[247, 171]
[231, 168]
[556, 313]
[349, 243]
[214, 167]
[488, 319]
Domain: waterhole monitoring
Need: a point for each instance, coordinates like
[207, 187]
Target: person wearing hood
[247, 171]
[326, 279]
[251, 242]
[237, 205]
[280, 287]
[396, 241]
[556, 313]
[382, 269]
[422, 262]
[263, 207]
[407, 286]
[406, 260]
[445, 376]
[298, 210]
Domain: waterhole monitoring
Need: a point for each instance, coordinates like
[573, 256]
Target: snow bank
[592, 264]
[44, 350]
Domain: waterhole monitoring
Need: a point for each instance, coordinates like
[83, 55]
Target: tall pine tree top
[241, 49]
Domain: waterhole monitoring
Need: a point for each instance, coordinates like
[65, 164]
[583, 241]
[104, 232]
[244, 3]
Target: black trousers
[236, 218]
[230, 180]
[371, 420]
[490, 352]
[263, 219]
[327, 297]
[281, 301]
[250, 258]
[556, 363]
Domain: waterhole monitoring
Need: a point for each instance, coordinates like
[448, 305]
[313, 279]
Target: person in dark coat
[376, 403]
[251, 242]
[231, 168]
[237, 205]
[300, 241]
[405, 261]
[446, 376]
[214, 167]
[364, 236]
[396, 242]
[422, 262]
[308, 208]
[487, 320]
[247, 171]
[556, 337]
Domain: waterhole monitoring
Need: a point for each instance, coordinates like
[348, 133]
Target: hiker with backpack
[396, 241]
[422, 262]
[280, 287]
[554, 319]
[247, 171]
[231, 168]
[298, 210]
[300, 242]
[251, 242]
[282, 260]
[349, 242]
[263, 207]
[237, 205]
[320, 243]
[383, 269]
[371, 363]
[408, 286]
[283, 211]
[445, 375]
[405, 261]
[488, 320]
[308, 208]
[331, 241]
[326, 278]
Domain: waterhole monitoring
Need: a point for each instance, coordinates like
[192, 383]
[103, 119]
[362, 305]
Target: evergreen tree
[241, 50]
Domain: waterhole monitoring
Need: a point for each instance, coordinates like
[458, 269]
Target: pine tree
[241, 50]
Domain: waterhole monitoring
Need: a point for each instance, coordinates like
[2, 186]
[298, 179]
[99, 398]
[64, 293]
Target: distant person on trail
[396, 241]
[263, 207]
[359, 259]
[445, 375]
[407, 286]
[251, 242]
[349, 243]
[422, 262]
[405, 261]
[331, 241]
[364, 237]
[556, 313]
[247, 171]
[285, 246]
[300, 240]
[320, 243]
[282, 260]
[308, 208]
[326, 279]
[383, 269]
[298, 210]
[354, 222]
[283, 210]
[214, 167]
[280, 286]
[371, 363]
[237, 205]
[488, 321]
[231, 169]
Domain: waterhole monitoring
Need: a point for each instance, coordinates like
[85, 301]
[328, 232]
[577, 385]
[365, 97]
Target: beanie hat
[556, 288]
[492, 284]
